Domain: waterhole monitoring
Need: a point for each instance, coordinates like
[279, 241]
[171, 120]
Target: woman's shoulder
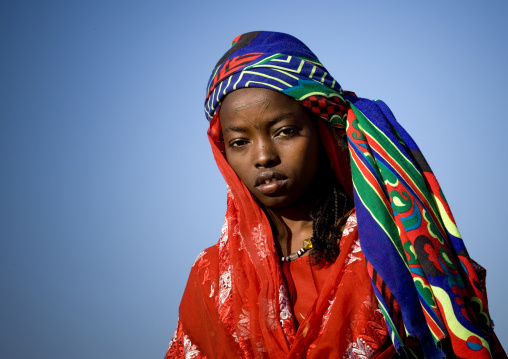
[208, 255]
[206, 266]
[202, 282]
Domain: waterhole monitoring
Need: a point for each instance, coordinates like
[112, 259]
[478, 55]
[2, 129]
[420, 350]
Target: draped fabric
[428, 289]
[336, 326]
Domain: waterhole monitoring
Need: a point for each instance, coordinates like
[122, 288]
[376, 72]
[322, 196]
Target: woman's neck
[292, 226]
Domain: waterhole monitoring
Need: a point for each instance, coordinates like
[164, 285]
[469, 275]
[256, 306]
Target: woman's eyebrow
[269, 124]
[234, 129]
[279, 118]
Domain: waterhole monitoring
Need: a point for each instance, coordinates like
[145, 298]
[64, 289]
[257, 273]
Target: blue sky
[108, 188]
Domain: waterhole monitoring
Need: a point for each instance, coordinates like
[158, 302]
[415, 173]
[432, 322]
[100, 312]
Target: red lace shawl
[236, 301]
[344, 321]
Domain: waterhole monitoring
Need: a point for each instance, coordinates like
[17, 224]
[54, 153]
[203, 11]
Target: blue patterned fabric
[427, 286]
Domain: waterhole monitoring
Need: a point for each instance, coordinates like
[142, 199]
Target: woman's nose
[266, 155]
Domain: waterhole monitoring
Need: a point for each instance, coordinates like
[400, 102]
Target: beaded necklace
[307, 244]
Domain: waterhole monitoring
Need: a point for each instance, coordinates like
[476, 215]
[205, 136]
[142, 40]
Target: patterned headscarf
[427, 286]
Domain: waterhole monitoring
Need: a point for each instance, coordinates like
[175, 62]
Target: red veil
[427, 287]
[236, 302]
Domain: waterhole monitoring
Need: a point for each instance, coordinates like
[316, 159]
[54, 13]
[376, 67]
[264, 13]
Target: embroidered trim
[351, 256]
[224, 286]
[350, 224]
[173, 339]
[198, 257]
[359, 350]
[191, 350]
[181, 344]
[223, 233]
[326, 317]
[284, 305]
[243, 325]
[285, 314]
[259, 240]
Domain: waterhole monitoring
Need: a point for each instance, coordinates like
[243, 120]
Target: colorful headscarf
[426, 285]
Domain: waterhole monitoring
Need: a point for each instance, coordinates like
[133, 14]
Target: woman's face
[271, 143]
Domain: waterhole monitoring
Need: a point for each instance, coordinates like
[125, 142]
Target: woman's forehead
[258, 107]
[259, 98]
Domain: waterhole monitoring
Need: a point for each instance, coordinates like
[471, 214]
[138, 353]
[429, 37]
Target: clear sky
[108, 188]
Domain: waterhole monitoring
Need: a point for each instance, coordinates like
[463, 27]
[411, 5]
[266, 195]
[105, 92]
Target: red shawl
[236, 302]
[344, 321]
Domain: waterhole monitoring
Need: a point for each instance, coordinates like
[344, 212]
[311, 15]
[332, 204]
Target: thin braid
[326, 229]
[336, 212]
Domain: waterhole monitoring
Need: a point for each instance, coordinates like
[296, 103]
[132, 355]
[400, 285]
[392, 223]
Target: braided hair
[328, 218]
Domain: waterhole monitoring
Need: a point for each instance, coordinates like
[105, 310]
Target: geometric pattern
[426, 284]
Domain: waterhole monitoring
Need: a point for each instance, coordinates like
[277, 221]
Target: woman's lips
[270, 182]
[271, 188]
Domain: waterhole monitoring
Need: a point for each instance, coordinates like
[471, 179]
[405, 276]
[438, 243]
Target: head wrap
[427, 286]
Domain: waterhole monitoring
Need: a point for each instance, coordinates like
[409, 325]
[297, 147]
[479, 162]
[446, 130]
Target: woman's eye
[288, 132]
[237, 143]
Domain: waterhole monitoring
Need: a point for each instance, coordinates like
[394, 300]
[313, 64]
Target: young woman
[337, 241]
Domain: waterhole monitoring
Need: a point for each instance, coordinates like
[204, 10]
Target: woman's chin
[275, 203]
[300, 203]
